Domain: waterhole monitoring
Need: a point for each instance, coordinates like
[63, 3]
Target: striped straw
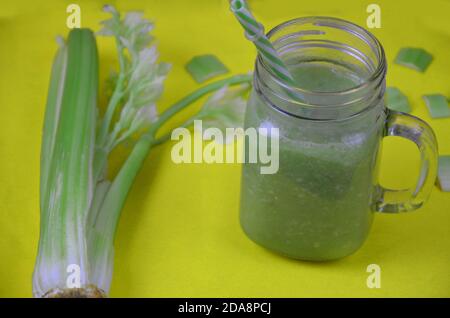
[254, 31]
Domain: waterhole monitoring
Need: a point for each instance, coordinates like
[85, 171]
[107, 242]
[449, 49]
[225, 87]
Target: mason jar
[320, 203]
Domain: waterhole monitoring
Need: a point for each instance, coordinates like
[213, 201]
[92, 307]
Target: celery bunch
[80, 207]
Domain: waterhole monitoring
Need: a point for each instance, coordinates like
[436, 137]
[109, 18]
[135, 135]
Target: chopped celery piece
[416, 58]
[205, 67]
[437, 105]
[396, 100]
[444, 173]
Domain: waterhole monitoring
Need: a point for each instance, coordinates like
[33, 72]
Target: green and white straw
[254, 31]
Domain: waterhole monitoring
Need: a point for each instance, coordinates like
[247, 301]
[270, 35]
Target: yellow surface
[179, 235]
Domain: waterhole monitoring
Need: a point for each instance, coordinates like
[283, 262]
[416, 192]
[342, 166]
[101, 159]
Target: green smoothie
[318, 205]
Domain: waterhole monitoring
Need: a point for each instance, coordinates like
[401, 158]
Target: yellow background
[179, 235]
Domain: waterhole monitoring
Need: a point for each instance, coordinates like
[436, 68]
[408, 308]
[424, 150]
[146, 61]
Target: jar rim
[344, 25]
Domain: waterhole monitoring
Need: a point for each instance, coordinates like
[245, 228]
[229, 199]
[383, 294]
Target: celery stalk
[66, 164]
[80, 207]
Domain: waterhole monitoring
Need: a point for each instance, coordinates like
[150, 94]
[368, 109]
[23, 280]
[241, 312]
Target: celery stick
[66, 161]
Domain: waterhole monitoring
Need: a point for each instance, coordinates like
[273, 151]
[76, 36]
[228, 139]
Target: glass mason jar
[320, 203]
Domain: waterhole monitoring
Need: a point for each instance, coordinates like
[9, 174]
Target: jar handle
[418, 131]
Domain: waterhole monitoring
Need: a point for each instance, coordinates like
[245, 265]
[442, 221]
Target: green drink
[319, 205]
